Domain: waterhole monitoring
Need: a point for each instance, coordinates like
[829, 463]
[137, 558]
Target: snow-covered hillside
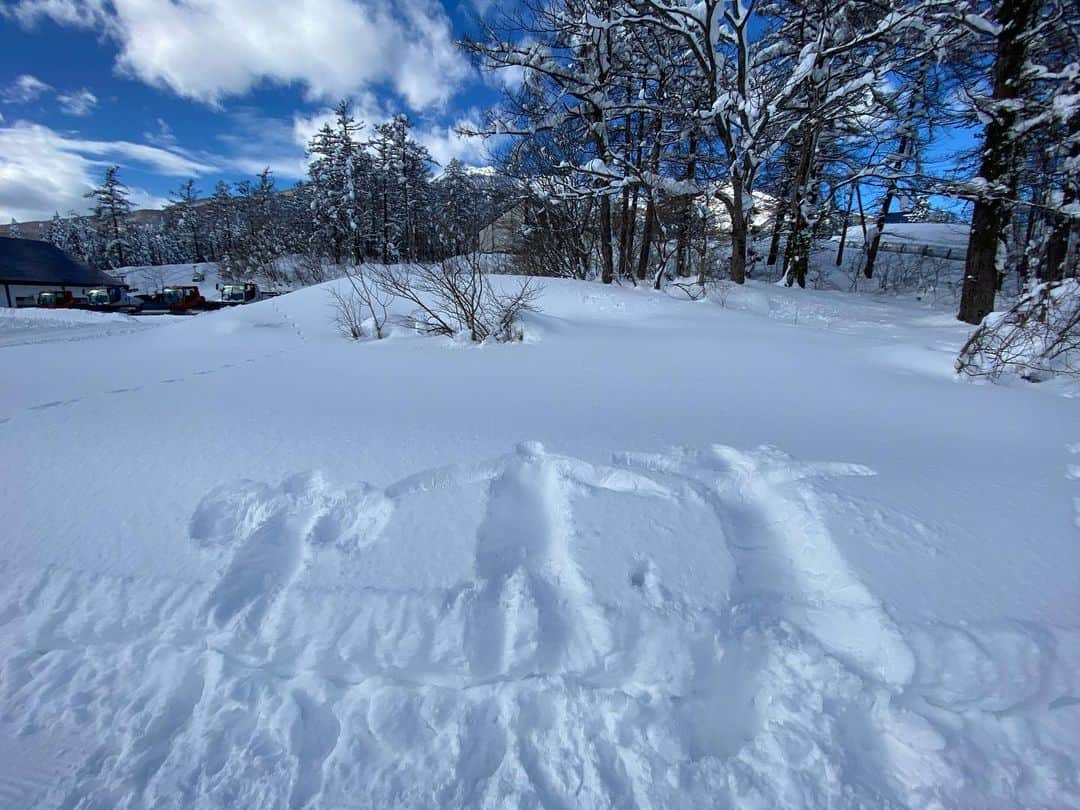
[662, 554]
[937, 234]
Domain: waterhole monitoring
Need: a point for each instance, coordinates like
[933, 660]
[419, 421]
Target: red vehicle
[183, 297]
[56, 299]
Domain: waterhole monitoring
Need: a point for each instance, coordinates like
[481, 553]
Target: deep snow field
[663, 554]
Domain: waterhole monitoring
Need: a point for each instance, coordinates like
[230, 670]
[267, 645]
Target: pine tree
[110, 214]
[402, 191]
[457, 199]
[186, 218]
[222, 220]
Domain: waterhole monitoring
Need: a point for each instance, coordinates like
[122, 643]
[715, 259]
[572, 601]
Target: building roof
[27, 261]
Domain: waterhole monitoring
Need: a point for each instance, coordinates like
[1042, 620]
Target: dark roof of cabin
[28, 261]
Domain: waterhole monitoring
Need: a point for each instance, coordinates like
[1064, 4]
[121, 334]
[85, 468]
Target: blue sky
[215, 90]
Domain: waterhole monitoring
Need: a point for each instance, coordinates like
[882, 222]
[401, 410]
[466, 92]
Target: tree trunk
[990, 218]
[624, 222]
[647, 233]
[906, 145]
[624, 213]
[631, 224]
[1056, 267]
[1023, 268]
[739, 229]
[682, 237]
[682, 233]
[607, 271]
[797, 258]
[649, 228]
[847, 224]
[778, 226]
[1066, 228]
[879, 226]
[890, 192]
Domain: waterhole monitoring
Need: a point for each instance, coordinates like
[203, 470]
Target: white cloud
[445, 144]
[24, 89]
[211, 49]
[42, 170]
[255, 141]
[77, 102]
[163, 136]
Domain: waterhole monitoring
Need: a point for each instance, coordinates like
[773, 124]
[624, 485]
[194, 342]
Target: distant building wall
[504, 234]
[25, 295]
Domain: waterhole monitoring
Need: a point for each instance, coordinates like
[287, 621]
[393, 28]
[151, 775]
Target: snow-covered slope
[662, 554]
[937, 234]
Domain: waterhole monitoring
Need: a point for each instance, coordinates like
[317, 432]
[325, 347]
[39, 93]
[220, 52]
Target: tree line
[365, 199]
[646, 113]
[636, 135]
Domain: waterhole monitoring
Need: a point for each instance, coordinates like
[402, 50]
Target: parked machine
[243, 293]
[56, 299]
[108, 298]
[176, 299]
[183, 297]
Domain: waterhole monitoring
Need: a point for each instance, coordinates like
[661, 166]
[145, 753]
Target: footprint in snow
[56, 404]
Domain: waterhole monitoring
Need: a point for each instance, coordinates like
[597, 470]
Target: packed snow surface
[32, 325]
[662, 554]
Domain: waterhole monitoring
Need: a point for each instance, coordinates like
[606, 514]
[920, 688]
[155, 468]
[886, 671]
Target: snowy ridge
[540, 680]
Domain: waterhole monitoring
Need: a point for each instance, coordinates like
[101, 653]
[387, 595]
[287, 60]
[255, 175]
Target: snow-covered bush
[362, 308]
[1039, 336]
[455, 297]
[311, 268]
[926, 277]
[348, 313]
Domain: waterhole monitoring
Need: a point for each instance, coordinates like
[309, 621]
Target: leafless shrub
[556, 240]
[927, 277]
[684, 288]
[311, 268]
[374, 299]
[455, 297]
[1039, 336]
[720, 290]
[348, 313]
